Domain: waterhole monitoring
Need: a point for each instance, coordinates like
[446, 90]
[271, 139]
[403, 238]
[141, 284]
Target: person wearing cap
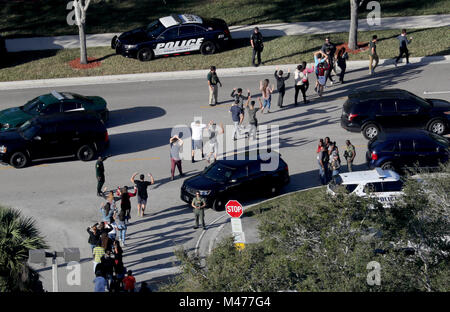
[256, 40]
[213, 81]
[199, 205]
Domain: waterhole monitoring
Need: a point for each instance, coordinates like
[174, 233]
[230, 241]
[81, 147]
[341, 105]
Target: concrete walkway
[237, 32]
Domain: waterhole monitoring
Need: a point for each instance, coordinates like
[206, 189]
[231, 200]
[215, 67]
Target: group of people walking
[329, 160]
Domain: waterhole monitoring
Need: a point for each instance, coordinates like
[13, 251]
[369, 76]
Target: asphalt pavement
[61, 195]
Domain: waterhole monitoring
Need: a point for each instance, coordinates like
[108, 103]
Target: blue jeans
[266, 103]
[122, 232]
[323, 174]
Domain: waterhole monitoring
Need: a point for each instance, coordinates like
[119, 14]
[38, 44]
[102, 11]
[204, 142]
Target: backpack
[321, 69]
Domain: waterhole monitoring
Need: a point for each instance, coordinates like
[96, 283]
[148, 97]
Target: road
[61, 195]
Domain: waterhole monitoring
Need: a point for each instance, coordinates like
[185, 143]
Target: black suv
[397, 150]
[237, 179]
[82, 134]
[374, 111]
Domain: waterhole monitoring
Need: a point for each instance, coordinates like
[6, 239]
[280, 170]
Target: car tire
[218, 204]
[114, 42]
[208, 47]
[388, 166]
[86, 153]
[437, 126]
[19, 160]
[370, 131]
[145, 55]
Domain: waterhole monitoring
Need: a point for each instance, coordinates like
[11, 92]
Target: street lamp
[40, 255]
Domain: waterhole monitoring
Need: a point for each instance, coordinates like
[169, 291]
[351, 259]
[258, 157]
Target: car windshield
[34, 106]
[218, 172]
[441, 140]
[155, 28]
[28, 130]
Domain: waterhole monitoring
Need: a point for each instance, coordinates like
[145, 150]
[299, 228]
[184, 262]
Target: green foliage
[311, 241]
[18, 234]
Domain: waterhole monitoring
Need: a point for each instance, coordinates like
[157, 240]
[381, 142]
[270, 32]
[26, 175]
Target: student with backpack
[300, 79]
[403, 46]
[319, 59]
[322, 75]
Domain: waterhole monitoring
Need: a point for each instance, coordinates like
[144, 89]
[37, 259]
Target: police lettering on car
[173, 35]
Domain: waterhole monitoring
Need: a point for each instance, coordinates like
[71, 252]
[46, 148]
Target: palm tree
[18, 234]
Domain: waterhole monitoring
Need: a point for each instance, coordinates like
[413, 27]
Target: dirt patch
[92, 62]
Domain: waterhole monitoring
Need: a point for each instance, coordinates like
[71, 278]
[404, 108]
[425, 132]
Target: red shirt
[128, 282]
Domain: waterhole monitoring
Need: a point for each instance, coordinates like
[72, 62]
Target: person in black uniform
[100, 174]
[256, 40]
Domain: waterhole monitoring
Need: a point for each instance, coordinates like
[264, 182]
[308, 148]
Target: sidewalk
[197, 74]
[239, 32]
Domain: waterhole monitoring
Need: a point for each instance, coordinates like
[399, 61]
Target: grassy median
[279, 50]
[48, 17]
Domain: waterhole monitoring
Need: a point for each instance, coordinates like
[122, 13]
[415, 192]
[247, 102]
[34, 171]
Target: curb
[191, 74]
[217, 232]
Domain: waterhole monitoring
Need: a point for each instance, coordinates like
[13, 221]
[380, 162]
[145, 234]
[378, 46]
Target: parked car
[81, 134]
[54, 102]
[175, 34]
[374, 111]
[384, 185]
[236, 179]
[399, 149]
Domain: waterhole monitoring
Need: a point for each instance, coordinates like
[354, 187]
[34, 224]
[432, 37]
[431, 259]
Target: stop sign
[234, 209]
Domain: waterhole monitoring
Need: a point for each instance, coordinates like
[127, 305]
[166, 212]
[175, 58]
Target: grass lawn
[279, 50]
[48, 17]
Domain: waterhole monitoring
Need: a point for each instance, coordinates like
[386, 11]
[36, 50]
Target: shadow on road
[131, 115]
[137, 141]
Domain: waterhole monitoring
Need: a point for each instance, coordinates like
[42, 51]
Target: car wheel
[208, 47]
[145, 55]
[219, 204]
[86, 153]
[370, 131]
[18, 160]
[388, 166]
[114, 42]
[437, 126]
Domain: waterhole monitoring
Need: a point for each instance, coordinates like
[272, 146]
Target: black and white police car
[384, 185]
[173, 35]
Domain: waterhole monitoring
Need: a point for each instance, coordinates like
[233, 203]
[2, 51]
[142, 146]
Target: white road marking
[435, 92]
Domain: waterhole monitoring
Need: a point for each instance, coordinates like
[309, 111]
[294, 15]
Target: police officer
[199, 204]
[256, 40]
[100, 174]
[349, 154]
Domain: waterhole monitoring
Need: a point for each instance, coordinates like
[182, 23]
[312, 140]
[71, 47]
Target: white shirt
[197, 131]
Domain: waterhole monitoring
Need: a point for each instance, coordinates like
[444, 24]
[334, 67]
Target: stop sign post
[234, 210]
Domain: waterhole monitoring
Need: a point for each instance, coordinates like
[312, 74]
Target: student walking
[266, 94]
[322, 160]
[100, 174]
[175, 160]
[125, 203]
[142, 194]
[199, 204]
[97, 254]
[373, 56]
[300, 79]
[100, 283]
[341, 60]
[237, 117]
[213, 132]
[349, 154]
[121, 226]
[94, 236]
[213, 81]
[236, 94]
[321, 76]
[197, 138]
[319, 58]
[281, 86]
[107, 209]
[252, 120]
[256, 40]
[129, 282]
[403, 47]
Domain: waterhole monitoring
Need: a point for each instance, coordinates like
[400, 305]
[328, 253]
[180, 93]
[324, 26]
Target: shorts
[197, 144]
[322, 80]
[213, 147]
[141, 201]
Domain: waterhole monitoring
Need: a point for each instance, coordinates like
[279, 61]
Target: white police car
[173, 35]
[384, 185]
